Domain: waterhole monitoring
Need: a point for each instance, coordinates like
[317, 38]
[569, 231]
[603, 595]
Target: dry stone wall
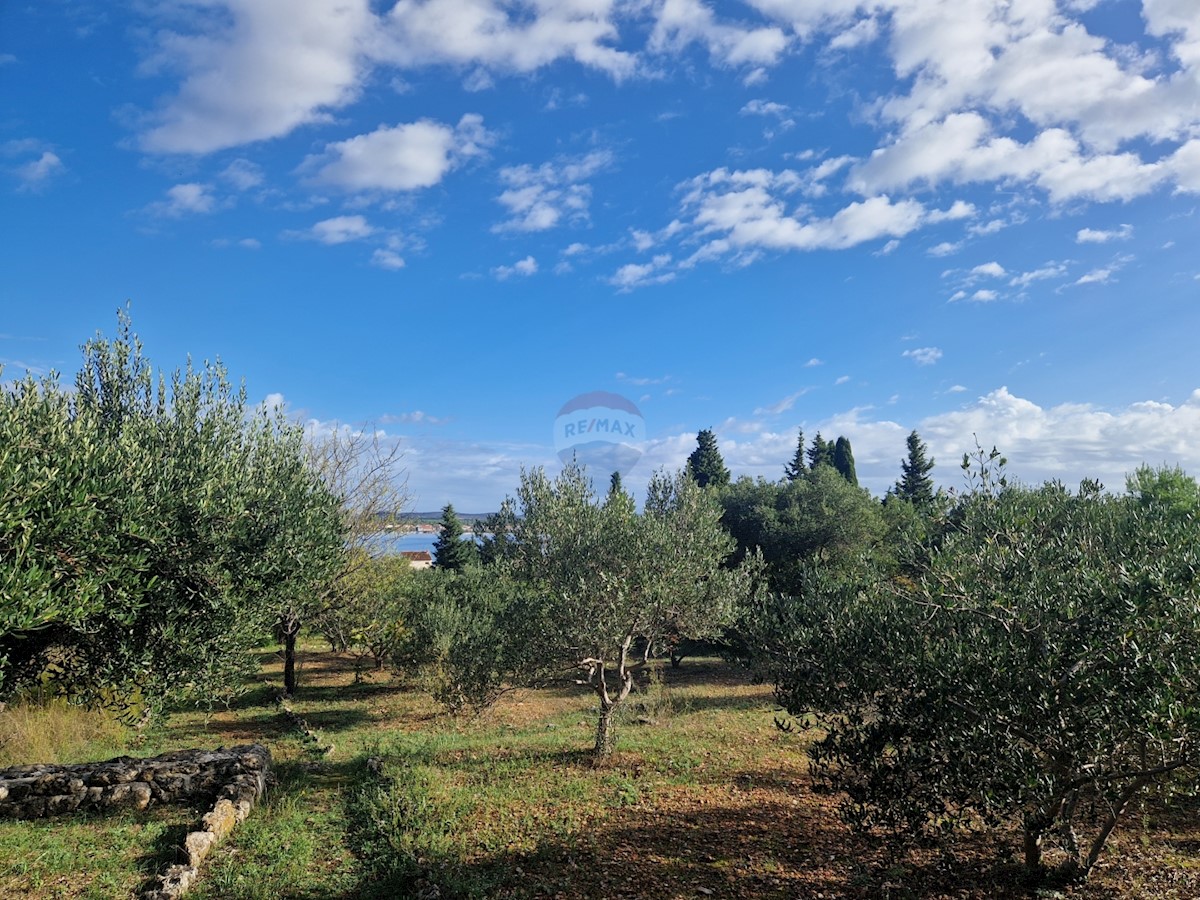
[229, 781]
[187, 776]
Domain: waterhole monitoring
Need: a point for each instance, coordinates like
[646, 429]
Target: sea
[394, 542]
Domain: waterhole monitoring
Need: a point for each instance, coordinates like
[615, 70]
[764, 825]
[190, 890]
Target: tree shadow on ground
[265, 727]
[333, 720]
[755, 849]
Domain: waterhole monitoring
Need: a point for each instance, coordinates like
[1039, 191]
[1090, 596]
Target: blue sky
[446, 218]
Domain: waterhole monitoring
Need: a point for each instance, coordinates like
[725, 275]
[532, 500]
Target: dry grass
[704, 798]
[56, 732]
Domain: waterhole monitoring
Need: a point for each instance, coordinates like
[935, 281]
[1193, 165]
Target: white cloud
[782, 406]
[862, 32]
[842, 380]
[416, 417]
[339, 230]
[770, 109]
[243, 174]
[400, 157]
[990, 269]
[250, 243]
[814, 362]
[945, 248]
[185, 199]
[257, 70]
[634, 275]
[541, 198]
[682, 22]
[387, 259]
[1104, 274]
[1096, 276]
[747, 209]
[1094, 236]
[1073, 440]
[527, 266]
[956, 389]
[500, 35]
[984, 296]
[1049, 270]
[923, 356]
[36, 173]
[990, 227]
[962, 149]
[765, 108]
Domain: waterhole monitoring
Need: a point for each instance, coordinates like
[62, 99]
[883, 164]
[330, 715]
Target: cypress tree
[705, 465]
[615, 486]
[843, 460]
[451, 552]
[798, 466]
[915, 484]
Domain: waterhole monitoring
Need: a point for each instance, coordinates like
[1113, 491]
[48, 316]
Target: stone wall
[229, 781]
[188, 776]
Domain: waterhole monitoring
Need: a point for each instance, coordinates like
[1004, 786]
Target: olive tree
[370, 602]
[362, 469]
[147, 522]
[605, 584]
[1042, 670]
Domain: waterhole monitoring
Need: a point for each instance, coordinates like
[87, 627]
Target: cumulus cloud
[499, 35]
[243, 174]
[338, 230]
[37, 173]
[1071, 441]
[679, 23]
[525, 267]
[746, 211]
[923, 356]
[387, 259]
[259, 70]
[945, 248]
[185, 199]
[1097, 236]
[399, 157]
[541, 198]
[990, 269]
[632, 275]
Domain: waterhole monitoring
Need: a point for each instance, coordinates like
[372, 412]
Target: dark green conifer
[798, 466]
[915, 484]
[820, 453]
[451, 552]
[705, 465]
[843, 460]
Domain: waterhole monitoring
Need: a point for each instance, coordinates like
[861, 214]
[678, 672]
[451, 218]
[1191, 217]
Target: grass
[703, 795]
[51, 731]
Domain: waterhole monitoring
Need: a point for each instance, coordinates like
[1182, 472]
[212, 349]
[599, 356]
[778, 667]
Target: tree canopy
[604, 584]
[450, 551]
[149, 525]
[705, 465]
[916, 484]
[1039, 670]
